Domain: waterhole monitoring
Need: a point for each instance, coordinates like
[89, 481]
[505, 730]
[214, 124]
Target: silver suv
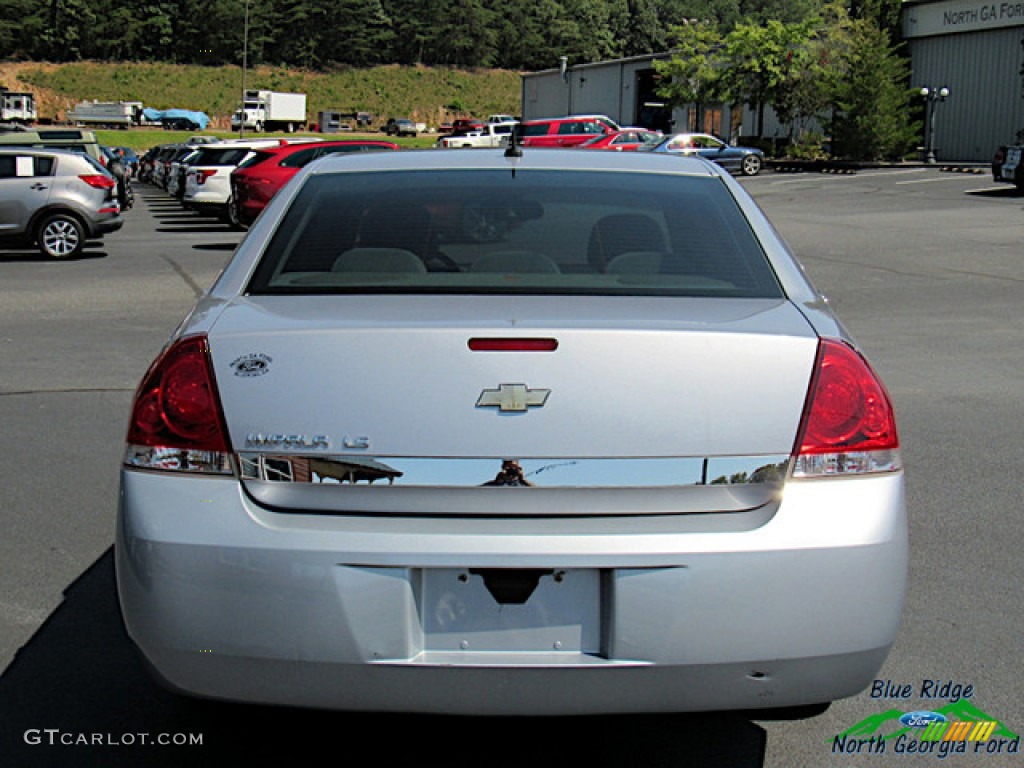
[55, 199]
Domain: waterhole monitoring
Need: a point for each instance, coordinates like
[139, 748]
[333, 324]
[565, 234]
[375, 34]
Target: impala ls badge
[513, 397]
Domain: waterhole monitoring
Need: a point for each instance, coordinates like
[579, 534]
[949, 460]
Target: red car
[564, 131]
[626, 140]
[467, 124]
[258, 179]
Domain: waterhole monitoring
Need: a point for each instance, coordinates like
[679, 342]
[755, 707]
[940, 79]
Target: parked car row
[233, 180]
[601, 132]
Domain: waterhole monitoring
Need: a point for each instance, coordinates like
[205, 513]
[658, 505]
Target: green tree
[369, 30]
[22, 23]
[692, 75]
[412, 25]
[580, 30]
[520, 33]
[209, 32]
[640, 28]
[722, 14]
[300, 29]
[761, 62]
[808, 78]
[785, 11]
[884, 13]
[67, 27]
[465, 35]
[872, 98]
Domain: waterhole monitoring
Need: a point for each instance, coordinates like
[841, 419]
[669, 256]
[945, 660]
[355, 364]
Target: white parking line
[978, 190]
[920, 181]
[884, 172]
[813, 177]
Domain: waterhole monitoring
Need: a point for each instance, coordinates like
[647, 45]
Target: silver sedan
[535, 432]
[745, 160]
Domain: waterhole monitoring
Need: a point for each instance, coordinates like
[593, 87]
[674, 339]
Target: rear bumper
[210, 195]
[105, 226]
[228, 600]
[249, 208]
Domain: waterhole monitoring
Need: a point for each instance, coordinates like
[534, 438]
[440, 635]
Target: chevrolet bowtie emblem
[513, 397]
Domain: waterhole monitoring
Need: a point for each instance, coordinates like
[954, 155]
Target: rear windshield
[221, 156]
[533, 232]
[256, 159]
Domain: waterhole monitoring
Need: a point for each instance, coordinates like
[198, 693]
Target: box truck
[271, 111]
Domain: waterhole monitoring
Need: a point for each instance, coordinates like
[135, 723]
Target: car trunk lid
[655, 388]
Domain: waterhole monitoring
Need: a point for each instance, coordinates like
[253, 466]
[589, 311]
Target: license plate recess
[484, 610]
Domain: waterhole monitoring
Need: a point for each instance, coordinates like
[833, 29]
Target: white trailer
[17, 107]
[271, 111]
[107, 114]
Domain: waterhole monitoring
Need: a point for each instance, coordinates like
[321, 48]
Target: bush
[810, 146]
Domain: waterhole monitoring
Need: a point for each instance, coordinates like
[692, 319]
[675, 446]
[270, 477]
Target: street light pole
[932, 97]
[245, 67]
[563, 68]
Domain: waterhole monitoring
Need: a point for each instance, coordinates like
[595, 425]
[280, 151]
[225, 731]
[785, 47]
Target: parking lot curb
[964, 169]
[843, 166]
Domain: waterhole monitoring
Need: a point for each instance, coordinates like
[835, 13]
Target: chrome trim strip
[553, 488]
[385, 471]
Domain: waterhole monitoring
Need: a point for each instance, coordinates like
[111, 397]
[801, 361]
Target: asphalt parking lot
[925, 267]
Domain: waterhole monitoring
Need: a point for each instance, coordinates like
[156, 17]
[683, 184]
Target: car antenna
[513, 149]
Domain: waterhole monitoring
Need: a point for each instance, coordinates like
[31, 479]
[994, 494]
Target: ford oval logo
[922, 718]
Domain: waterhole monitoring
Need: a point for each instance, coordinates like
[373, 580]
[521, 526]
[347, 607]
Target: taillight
[176, 420]
[849, 426]
[98, 180]
[203, 174]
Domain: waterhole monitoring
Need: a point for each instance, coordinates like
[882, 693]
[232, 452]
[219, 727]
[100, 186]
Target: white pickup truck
[491, 135]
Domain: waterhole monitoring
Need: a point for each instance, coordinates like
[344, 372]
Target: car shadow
[27, 254]
[77, 694]
[189, 221]
[196, 229]
[176, 213]
[215, 246]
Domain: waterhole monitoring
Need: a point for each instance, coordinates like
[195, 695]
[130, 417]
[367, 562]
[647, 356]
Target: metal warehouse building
[624, 89]
[972, 48]
[976, 50]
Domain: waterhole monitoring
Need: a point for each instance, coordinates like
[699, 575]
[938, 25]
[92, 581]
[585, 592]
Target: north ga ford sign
[959, 16]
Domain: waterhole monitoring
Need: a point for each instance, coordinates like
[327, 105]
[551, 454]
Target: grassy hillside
[426, 95]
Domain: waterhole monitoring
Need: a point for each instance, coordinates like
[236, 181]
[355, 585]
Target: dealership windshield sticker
[955, 727]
